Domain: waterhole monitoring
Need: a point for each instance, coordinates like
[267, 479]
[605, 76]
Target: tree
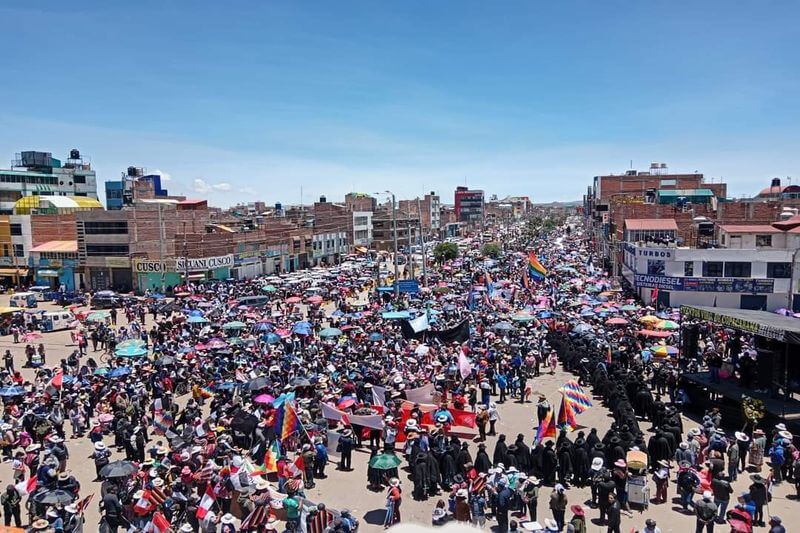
[445, 251]
[491, 249]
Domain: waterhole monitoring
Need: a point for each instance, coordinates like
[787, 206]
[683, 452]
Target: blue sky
[237, 101]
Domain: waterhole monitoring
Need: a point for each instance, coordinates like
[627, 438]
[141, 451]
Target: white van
[57, 320]
[24, 299]
[40, 291]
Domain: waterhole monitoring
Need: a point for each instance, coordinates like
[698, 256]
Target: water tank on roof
[322, 199]
[776, 182]
[74, 154]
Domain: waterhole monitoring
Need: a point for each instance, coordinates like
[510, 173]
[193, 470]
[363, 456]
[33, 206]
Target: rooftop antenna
[301, 196]
[631, 164]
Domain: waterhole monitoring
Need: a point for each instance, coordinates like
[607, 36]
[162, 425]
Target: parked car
[106, 300]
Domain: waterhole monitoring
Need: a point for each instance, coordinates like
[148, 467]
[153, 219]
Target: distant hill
[560, 204]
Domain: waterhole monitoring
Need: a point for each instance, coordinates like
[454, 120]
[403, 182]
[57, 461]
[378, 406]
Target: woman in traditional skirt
[757, 448]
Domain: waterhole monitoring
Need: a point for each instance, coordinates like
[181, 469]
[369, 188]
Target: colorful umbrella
[264, 398]
[649, 319]
[330, 332]
[234, 325]
[616, 321]
[293, 300]
[667, 324]
[384, 461]
[347, 401]
[664, 351]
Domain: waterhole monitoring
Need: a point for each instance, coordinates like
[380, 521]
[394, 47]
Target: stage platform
[727, 395]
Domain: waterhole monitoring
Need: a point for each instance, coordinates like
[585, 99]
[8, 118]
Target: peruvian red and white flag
[206, 502]
[142, 505]
[160, 523]
[298, 467]
[26, 487]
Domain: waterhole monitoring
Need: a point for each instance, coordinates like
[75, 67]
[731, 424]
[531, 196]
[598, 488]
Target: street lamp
[394, 227]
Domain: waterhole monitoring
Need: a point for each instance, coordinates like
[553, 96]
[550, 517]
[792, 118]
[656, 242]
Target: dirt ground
[349, 489]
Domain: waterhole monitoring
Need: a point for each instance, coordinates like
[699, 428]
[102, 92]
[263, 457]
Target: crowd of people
[221, 407]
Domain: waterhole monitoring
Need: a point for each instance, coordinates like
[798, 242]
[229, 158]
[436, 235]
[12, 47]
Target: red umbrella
[293, 300]
[616, 321]
[283, 332]
[314, 300]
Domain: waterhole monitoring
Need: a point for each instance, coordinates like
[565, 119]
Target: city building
[383, 230]
[427, 209]
[469, 206]
[40, 174]
[333, 229]
[134, 184]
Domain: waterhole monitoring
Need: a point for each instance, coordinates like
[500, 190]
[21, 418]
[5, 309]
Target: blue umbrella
[271, 338]
[375, 337]
[302, 328]
[396, 315]
[225, 386]
[119, 372]
[197, 320]
[12, 390]
[262, 326]
[196, 312]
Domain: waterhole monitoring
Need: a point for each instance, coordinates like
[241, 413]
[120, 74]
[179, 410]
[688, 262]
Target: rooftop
[56, 246]
[657, 224]
[751, 228]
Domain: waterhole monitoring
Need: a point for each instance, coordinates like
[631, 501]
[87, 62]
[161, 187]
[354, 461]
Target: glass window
[114, 250]
[106, 228]
[80, 179]
[16, 229]
[737, 269]
[763, 240]
[688, 269]
[19, 251]
[712, 269]
[779, 270]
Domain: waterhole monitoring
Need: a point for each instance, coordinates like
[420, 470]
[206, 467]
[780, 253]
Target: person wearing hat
[227, 523]
[578, 522]
[558, 504]
[345, 448]
[530, 496]
[100, 455]
[461, 511]
[393, 501]
[705, 512]
[775, 525]
[776, 460]
[661, 478]
[758, 495]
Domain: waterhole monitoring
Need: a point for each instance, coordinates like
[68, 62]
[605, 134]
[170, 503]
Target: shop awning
[22, 272]
[47, 273]
[197, 276]
[57, 246]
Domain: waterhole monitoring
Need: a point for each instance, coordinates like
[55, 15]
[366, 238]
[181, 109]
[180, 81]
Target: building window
[79, 179]
[779, 270]
[114, 250]
[6, 250]
[712, 269]
[106, 228]
[19, 250]
[668, 182]
[763, 240]
[737, 269]
[16, 229]
[688, 269]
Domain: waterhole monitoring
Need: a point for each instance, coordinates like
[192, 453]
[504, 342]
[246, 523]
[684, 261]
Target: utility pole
[162, 235]
[185, 256]
[410, 261]
[790, 291]
[396, 270]
[422, 246]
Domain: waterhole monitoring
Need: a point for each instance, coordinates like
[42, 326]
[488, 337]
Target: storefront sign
[655, 253]
[118, 262]
[195, 264]
[146, 266]
[733, 285]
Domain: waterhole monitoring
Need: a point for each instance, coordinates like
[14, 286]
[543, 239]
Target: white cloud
[203, 187]
[247, 190]
[165, 176]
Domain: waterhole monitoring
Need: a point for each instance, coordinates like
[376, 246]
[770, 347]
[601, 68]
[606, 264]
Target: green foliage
[491, 249]
[445, 251]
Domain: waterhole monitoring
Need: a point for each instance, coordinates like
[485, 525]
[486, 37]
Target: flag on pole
[26, 487]
[162, 421]
[84, 503]
[547, 428]
[566, 416]
[464, 366]
[535, 268]
[271, 457]
[298, 467]
[576, 396]
[160, 523]
[206, 502]
[290, 422]
[142, 505]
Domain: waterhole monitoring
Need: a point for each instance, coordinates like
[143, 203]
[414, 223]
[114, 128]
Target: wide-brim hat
[261, 484]
[757, 478]
[597, 464]
[186, 528]
[227, 518]
[780, 427]
[620, 463]
[42, 524]
[786, 435]
[578, 510]
[741, 436]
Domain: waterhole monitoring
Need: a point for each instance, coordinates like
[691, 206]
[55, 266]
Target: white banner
[424, 394]
[203, 263]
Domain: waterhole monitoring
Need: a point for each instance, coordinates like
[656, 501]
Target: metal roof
[654, 224]
[56, 246]
[685, 192]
